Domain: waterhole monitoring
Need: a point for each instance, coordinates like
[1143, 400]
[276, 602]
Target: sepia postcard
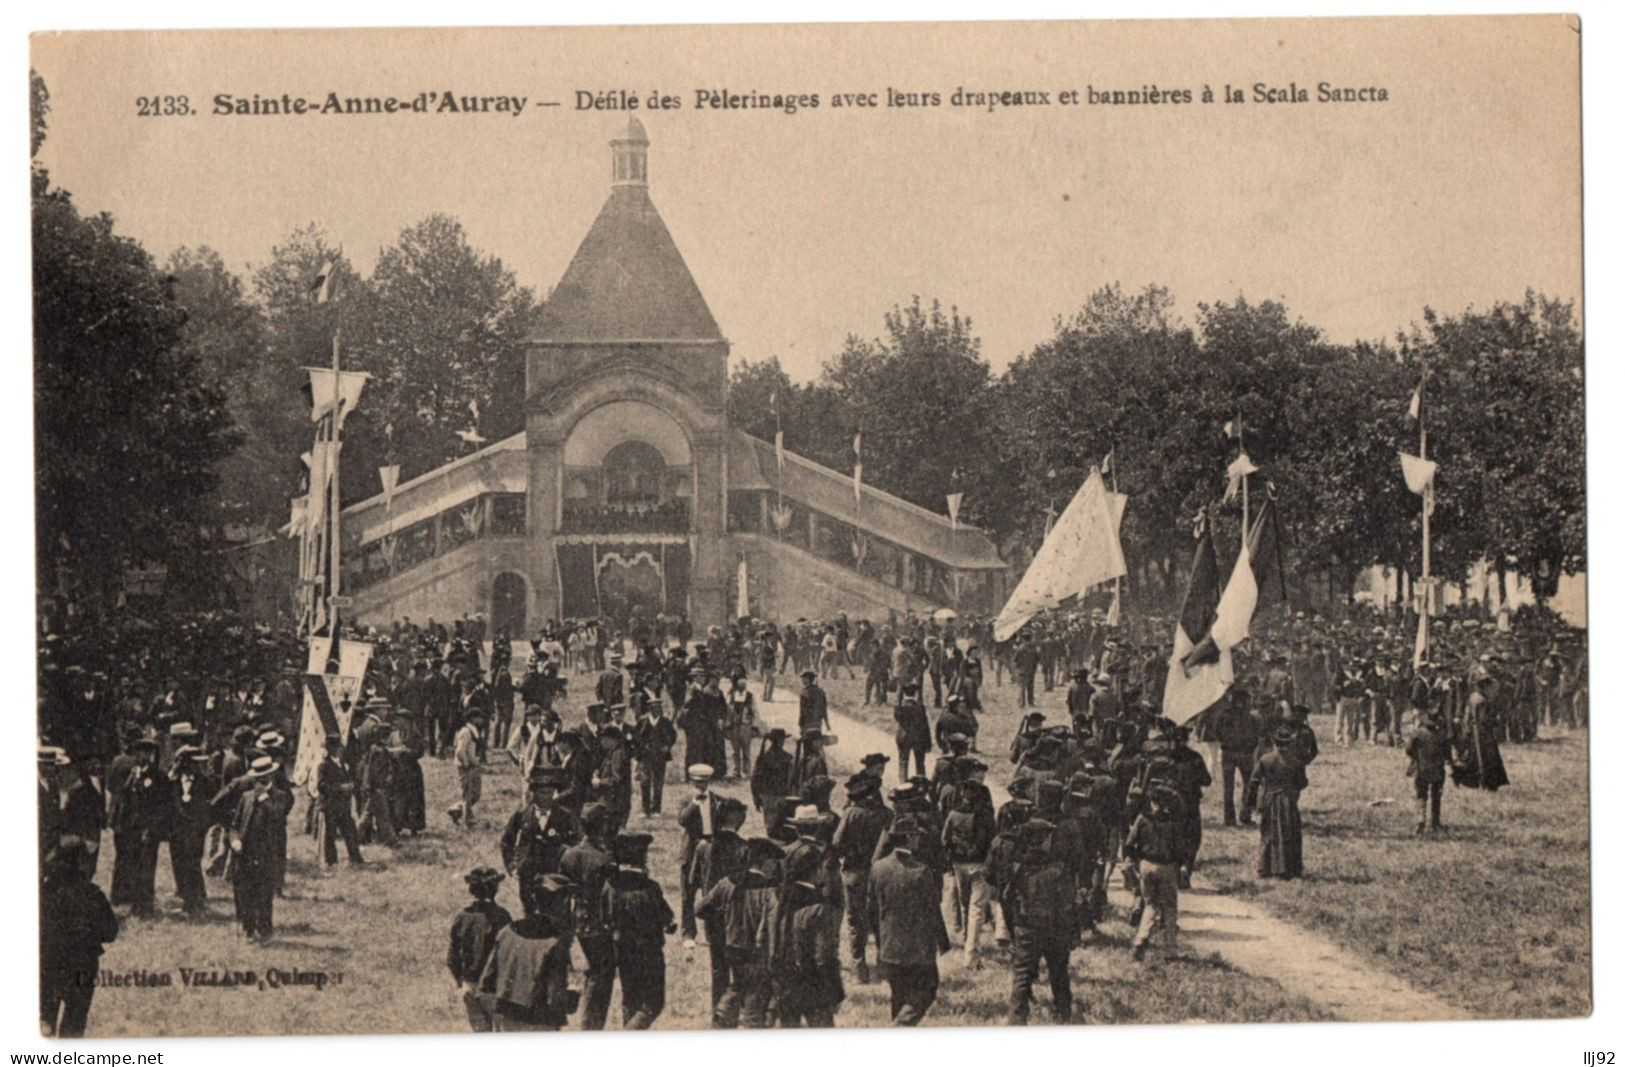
[830, 525]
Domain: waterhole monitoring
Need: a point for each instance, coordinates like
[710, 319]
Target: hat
[907, 793]
[542, 774]
[632, 848]
[144, 743]
[483, 876]
[53, 756]
[1285, 735]
[182, 729]
[776, 735]
[242, 735]
[758, 849]
[552, 883]
[377, 704]
[593, 816]
[805, 815]
[809, 674]
[876, 759]
[263, 766]
[860, 784]
[728, 807]
[701, 772]
[1164, 793]
[533, 709]
[907, 826]
[271, 739]
[818, 787]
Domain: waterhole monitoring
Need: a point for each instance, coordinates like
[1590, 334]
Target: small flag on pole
[778, 432]
[322, 384]
[1415, 410]
[1418, 473]
[1239, 468]
[1232, 429]
[389, 475]
[1106, 464]
[324, 286]
[954, 500]
[857, 465]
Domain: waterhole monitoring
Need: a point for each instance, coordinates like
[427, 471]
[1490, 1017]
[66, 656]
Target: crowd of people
[184, 734]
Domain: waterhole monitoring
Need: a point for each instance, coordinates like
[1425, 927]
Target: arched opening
[634, 475]
[508, 606]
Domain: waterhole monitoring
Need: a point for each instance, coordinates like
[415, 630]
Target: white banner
[1081, 551]
[321, 391]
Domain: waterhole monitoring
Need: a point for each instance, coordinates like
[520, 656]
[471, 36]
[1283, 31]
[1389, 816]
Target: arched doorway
[508, 605]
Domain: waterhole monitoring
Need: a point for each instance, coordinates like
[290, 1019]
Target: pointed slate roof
[628, 281]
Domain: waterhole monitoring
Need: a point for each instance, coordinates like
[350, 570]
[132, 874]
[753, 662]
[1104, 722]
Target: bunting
[389, 476]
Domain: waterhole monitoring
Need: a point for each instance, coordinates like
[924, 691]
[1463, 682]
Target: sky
[1462, 189]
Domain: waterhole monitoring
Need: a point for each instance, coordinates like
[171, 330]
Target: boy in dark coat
[473, 937]
[75, 922]
[525, 984]
[639, 919]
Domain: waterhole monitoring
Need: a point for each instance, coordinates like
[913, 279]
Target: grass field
[1493, 916]
[378, 934]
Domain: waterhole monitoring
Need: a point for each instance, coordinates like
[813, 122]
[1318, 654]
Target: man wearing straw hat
[255, 846]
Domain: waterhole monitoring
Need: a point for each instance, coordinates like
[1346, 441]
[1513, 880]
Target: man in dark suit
[653, 738]
[905, 912]
[698, 819]
[257, 839]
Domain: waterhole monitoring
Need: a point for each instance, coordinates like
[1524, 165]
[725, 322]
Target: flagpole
[338, 405]
[1242, 446]
[1427, 540]
[1117, 587]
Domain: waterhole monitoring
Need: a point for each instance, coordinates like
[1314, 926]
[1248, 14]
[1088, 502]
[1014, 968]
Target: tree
[1504, 406]
[441, 329]
[1121, 375]
[127, 430]
[923, 396]
[229, 334]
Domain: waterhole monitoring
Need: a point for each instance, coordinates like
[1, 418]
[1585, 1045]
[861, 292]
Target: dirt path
[1210, 922]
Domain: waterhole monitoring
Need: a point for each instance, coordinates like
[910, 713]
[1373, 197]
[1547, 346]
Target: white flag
[324, 286]
[954, 500]
[296, 517]
[1080, 552]
[322, 388]
[742, 605]
[390, 476]
[1239, 468]
[1418, 472]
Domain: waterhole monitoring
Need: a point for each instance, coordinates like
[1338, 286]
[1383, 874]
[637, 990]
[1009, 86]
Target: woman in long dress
[1478, 755]
[1277, 779]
